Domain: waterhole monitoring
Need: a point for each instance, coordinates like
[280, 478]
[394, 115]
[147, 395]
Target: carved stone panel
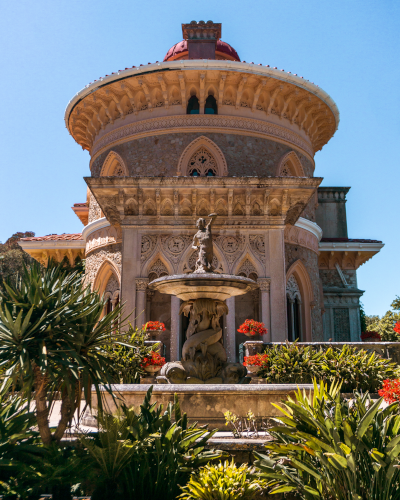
[257, 244]
[148, 245]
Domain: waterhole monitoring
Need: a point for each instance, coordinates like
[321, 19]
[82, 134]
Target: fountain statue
[203, 292]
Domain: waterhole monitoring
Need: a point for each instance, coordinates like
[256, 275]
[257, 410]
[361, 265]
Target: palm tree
[52, 342]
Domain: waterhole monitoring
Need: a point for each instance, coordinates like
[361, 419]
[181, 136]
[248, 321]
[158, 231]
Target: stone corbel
[164, 91]
[140, 202]
[158, 203]
[240, 91]
[248, 200]
[176, 203]
[272, 98]
[145, 89]
[194, 202]
[257, 93]
[221, 89]
[230, 202]
[266, 196]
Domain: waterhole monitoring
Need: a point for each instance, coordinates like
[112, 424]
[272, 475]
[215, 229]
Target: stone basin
[203, 286]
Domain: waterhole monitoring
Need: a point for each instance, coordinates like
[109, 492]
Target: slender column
[174, 346]
[230, 331]
[130, 269]
[141, 286]
[265, 306]
[291, 301]
[149, 296]
[275, 248]
[299, 308]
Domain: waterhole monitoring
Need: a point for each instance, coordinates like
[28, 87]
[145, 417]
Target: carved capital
[141, 284]
[264, 283]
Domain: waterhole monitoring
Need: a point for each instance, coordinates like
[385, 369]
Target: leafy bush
[355, 369]
[146, 454]
[222, 482]
[327, 448]
[126, 360]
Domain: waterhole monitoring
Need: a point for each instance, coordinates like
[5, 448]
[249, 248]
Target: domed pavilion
[202, 132]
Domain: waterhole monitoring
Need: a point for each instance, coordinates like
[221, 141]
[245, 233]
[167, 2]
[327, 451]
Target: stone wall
[310, 261]
[96, 258]
[331, 278]
[159, 155]
[94, 210]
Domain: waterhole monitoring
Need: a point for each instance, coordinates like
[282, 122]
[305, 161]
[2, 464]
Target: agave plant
[52, 339]
[145, 454]
[328, 448]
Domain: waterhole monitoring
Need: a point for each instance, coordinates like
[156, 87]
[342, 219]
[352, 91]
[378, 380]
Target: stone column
[275, 249]
[141, 286]
[230, 331]
[130, 269]
[265, 306]
[175, 323]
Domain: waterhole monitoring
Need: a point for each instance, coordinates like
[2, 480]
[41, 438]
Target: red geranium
[390, 390]
[369, 335]
[252, 327]
[256, 360]
[154, 325]
[397, 327]
[154, 360]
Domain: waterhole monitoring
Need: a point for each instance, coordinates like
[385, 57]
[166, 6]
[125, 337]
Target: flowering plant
[153, 360]
[251, 327]
[397, 327]
[154, 325]
[369, 335]
[256, 360]
[390, 390]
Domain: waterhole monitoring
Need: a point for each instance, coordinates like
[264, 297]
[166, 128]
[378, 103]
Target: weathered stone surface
[206, 404]
[95, 259]
[159, 155]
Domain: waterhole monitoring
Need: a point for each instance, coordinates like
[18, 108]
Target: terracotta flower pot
[152, 368]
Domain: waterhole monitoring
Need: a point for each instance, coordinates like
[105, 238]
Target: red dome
[223, 51]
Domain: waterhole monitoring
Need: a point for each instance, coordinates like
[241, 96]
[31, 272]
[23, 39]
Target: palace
[205, 132]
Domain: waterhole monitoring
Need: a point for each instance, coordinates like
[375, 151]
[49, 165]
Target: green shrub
[146, 454]
[223, 482]
[327, 448]
[355, 369]
[125, 360]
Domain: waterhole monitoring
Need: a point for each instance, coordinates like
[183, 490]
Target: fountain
[203, 293]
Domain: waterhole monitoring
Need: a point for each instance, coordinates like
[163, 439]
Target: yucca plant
[146, 454]
[52, 340]
[328, 448]
[223, 481]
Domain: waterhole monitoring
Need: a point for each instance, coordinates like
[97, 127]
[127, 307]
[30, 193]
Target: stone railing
[384, 349]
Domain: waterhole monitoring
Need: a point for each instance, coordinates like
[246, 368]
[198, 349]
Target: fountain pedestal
[204, 358]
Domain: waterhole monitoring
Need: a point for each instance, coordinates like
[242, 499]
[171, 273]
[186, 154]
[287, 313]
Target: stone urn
[253, 369]
[154, 333]
[152, 369]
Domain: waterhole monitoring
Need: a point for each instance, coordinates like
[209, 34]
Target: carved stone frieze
[148, 245]
[247, 269]
[174, 246]
[102, 237]
[231, 246]
[257, 244]
[299, 236]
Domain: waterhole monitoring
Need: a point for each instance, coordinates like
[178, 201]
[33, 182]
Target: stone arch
[203, 207]
[167, 207]
[175, 96]
[221, 207]
[238, 209]
[290, 166]
[299, 271]
[211, 148]
[149, 207]
[185, 207]
[245, 261]
[114, 165]
[103, 275]
[156, 268]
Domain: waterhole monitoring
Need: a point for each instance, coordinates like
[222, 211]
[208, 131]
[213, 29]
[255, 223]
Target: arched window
[203, 164]
[193, 107]
[211, 107]
[293, 303]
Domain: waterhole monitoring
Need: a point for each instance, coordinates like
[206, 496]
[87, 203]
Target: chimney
[201, 38]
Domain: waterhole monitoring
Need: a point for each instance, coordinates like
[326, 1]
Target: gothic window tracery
[157, 270]
[202, 164]
[248, 270]
[294, 310]
[286, 171]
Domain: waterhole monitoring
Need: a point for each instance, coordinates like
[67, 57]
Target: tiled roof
[55, 237]
[347, 240]
[81, 205]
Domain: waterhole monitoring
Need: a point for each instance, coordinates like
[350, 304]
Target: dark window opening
[210, 173]
[293, 319]
[193, 107]
[211, 107]
[195, 173]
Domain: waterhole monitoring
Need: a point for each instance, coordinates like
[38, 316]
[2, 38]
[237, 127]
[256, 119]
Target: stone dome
[223, 51]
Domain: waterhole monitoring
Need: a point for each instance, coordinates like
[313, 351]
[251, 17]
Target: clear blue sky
[51, 49]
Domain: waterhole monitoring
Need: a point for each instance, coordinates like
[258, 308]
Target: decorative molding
[211, 148]
[114, 166]
[94, 226]
[199, 123]
[265, 284]
[301, 237]
[141, 284]
[310, 226]
[350, 246]
[290, 165]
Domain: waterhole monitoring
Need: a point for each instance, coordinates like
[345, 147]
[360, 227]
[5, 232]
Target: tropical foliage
[13, 258]
[145, 454]
[52, 339]
[385, 325]
[331, 449]
[298, 364]
[223, 481]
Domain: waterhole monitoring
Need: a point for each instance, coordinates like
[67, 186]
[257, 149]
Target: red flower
[154, 360]
[397, 327]
[252, 327]
[154, 325]
[390, 390]
[369, 335]
[256, 360]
